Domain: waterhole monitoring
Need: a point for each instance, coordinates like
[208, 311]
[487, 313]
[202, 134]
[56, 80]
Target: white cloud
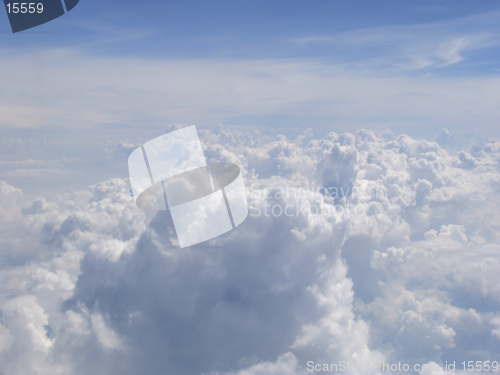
[6, 339]
[9, 195]
[413, 46]
[137, 91]
[409, 273]
[287, 364]
[105, 336]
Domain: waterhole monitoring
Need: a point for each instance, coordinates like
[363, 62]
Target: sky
[408, 66]
[391, 104]
[110, 71]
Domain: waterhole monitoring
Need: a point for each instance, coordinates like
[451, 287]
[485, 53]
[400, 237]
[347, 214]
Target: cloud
[9, 195]
[89, 92]
[125, 148]
[413, 47]
[403, 268]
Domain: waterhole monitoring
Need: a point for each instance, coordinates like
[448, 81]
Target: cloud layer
[89, 91]
[363, 248]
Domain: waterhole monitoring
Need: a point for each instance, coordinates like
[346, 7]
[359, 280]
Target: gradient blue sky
[441, 43]
[248, 29]
[123, 70]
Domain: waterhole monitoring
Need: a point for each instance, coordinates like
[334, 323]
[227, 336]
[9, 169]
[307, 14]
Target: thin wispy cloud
[412, 47]
[113, 90]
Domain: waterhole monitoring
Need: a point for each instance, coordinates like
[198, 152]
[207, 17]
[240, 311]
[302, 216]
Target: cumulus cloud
[9, 195]
[361, 248]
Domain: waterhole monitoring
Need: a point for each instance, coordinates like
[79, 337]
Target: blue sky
[241, 29]
[232, 29]
[122, 71]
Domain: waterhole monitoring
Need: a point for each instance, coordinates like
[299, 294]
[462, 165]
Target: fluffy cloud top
[359, 247]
